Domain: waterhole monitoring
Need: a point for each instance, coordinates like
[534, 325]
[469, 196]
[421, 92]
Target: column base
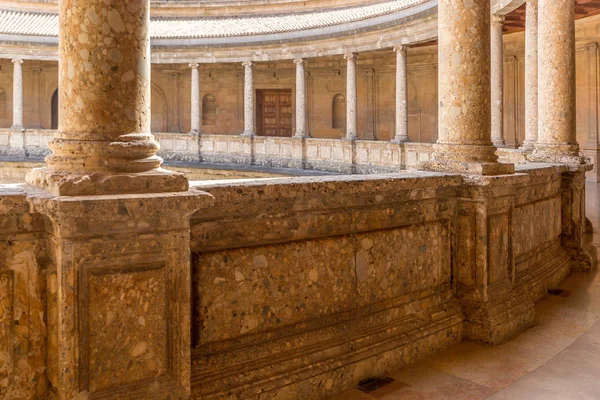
[556, 153]
[401, 139]
[499, 143]
[473, 168]
[248, 133]
[19, 128]
[62, 183]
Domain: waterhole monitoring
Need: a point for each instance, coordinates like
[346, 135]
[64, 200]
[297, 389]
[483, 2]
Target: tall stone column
[195, 101]
[17, 94]
[351, 116]
[556, 84]
[249, 129]
[401, 96]
[103, 143]
[497, 81]
[120, 284]
[531, 75]
[300, 98]
[464, 142]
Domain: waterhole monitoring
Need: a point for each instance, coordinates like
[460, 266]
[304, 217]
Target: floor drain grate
[371, 384]
[558, 292]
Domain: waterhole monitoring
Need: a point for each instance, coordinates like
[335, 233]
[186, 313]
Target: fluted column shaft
[464, 141]
[104, 89]
[531, 75]
[351, 116]
[401, 96]
[195, 100]
[497, 81]
[556, 83]
[17, 94]
[248, 99]
[300, 98]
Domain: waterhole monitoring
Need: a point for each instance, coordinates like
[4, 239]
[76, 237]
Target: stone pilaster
[195, 100]
[556, 84]
[401, 96]
[370, 92]
[497, 81]
[464, 142]
[300, 99]
[531, 75]
[351, 116]
[17, 94]
[35, 117]
[104, 144]
[249, 129]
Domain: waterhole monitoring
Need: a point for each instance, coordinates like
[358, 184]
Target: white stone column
[248, 99]
[557, 141]
[195, 103]
[300, 98]
[464, 142]
[17, 94]
[401, 96]
[351, 116]
[531, 75]
[497, 81]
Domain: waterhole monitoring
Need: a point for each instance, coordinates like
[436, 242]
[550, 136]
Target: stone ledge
[65, 184]
[472, 168]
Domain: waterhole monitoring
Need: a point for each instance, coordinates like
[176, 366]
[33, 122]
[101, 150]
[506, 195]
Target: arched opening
[339, 113]
[54, 110]
[209, 110]
[158, 110]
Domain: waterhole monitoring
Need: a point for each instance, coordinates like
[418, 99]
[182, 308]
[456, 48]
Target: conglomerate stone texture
[531, 75]
[464, 143]
[556, 83]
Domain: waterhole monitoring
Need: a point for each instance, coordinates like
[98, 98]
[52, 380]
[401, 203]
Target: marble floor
[556, 359]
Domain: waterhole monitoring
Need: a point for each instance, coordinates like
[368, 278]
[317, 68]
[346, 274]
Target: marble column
[497, 81]
[401, 96]
[195, 101]
[249, 129]
[351, 116]
[104, 90]
[300, 98]
[17, 94]
[464, 142]
[531, 75]
[556, 84]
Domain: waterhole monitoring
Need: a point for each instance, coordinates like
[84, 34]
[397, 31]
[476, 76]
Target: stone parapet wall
[299, 285]
[342, 278]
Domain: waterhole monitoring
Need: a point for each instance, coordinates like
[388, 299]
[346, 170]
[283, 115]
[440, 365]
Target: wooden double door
[274, 112]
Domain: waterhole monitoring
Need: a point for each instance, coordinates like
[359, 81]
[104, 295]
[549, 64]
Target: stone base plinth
[66, 184]
[474, 168]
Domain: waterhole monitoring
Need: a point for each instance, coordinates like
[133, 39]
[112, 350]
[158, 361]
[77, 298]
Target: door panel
[275, 112]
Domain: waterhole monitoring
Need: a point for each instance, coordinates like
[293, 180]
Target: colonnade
[484, 117]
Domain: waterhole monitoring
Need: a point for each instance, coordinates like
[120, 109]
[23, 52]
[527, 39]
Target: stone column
[175, 108]
[195, 114]
[464, 142]
[351, 116]
[104, 142]
[249, 129]
[120, 283]
[300, 98]
[497, 81]
[401, 96]
[556, 84]
[17, 94]
[531, 75]
[35, 121]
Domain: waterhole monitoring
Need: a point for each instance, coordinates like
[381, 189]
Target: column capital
[247, 64]
[497, 19]
[17, 60]
[299, 61]
[350, 55]
[194, 66]
[400, 48]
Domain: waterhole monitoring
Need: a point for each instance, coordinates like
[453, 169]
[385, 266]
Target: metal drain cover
[371, 384]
